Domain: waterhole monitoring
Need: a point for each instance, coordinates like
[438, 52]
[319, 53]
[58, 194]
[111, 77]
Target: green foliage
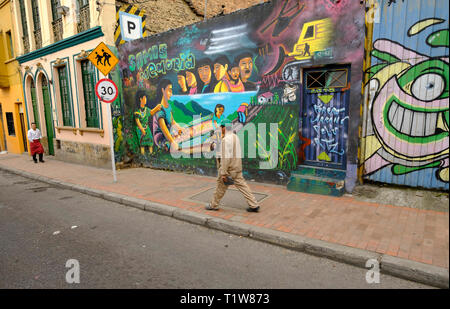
[287, 119]
[232, 116]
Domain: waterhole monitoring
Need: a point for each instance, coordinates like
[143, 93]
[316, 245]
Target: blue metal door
[325, 116]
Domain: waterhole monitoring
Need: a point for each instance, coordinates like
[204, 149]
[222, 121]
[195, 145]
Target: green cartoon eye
[428, 87]
[426, 81]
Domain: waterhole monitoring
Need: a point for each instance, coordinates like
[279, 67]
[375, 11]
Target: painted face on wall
[234, 73]
[167, 92]
[204, 73]
[143, 101]
[182, 82]
[219, 112]
[220, 70]
[190, 79]
[410, 111]
[246, 67]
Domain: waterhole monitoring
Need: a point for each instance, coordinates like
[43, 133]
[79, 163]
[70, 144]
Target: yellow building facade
[13, 118]
[54, 38]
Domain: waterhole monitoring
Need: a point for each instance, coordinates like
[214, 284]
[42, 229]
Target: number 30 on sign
[106, 90]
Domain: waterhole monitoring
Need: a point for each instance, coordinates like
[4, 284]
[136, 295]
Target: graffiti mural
[407, 137]
[244, 68]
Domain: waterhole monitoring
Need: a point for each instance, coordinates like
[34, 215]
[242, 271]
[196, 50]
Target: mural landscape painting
[179, 86]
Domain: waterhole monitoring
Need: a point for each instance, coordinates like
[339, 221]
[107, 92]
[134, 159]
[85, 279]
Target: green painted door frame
[48, 118]
[34, 104]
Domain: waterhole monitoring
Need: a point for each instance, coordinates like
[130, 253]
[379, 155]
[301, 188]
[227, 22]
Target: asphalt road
[121, 247]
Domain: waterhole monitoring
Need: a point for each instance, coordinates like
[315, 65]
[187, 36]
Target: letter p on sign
[130, 26]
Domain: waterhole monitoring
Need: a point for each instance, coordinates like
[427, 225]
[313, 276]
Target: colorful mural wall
[244, 68]
[406, 135]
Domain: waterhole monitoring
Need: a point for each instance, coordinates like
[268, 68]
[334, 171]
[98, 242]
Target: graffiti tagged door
[325, 116]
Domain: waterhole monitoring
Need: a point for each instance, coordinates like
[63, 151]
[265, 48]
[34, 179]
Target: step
[320, 172]
[316, 185]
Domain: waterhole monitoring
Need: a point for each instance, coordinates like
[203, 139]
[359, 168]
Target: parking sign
[130, 26]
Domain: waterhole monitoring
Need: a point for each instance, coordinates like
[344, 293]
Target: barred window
[90, 102]
[10, 124]
[55, 14]
[36, 20]
[64, 94]
[326, 79]
[23, 16]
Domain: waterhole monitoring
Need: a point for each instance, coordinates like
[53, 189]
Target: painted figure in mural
[217, 120]
[117, 122]
[229, 165]
[242, 112]
[142, 118]
[204, 72]
[246, 69]
[182, 83]
[218, 117]
[409, 110]
[235, 80]
[307, 51]
[221, 65]
[164, 126]
[191, 81]
[139, 78]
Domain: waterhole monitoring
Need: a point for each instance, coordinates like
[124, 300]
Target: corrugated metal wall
[405, 135]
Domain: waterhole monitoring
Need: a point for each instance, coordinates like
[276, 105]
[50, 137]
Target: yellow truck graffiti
[314, 38]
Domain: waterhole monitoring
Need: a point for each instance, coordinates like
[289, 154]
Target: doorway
[23, 127]
[326, 99]
[2, 131]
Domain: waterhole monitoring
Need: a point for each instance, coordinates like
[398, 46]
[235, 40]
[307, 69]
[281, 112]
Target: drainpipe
[206, 5]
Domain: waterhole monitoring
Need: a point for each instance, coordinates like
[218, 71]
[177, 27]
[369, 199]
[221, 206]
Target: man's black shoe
[209, 207]
[250, 209]
[41, 161]
[35, 161]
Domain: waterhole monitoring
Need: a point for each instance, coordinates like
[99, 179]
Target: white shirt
[34, 134]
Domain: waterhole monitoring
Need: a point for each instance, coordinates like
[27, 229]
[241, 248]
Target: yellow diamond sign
[103, 58]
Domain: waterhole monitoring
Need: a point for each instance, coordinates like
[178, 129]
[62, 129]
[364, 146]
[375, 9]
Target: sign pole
[111, 142]
[105, 89]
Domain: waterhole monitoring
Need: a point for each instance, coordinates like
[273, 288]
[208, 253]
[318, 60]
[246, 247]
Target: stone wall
[83, 153]
[164, 15]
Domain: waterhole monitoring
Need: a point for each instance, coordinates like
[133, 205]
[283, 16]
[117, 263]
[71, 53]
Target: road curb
[421, 272]
[394, 266]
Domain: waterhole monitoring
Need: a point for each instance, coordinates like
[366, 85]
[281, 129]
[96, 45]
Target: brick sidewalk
[414, 234]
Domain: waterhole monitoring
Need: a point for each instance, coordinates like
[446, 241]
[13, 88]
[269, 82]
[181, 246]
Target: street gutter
[394, 266]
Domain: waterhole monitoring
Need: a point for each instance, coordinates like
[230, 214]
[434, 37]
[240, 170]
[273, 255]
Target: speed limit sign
[106, 90]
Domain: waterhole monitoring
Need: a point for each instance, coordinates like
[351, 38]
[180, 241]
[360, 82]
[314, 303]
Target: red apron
[36, 147]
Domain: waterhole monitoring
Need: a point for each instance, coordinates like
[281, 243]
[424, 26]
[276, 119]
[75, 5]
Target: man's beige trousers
[240, 184]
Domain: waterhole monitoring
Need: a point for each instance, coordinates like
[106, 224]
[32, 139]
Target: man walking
[229, 164]
[34, 136]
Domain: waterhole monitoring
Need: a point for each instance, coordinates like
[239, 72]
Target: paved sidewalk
[408, 233]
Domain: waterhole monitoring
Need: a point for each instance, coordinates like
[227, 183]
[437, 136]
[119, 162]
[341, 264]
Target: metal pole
[111, 141]
[206, 5]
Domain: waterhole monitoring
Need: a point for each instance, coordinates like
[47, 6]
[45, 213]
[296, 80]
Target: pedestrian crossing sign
[103, 58]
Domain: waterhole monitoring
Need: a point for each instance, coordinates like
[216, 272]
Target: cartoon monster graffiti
[408, 107]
